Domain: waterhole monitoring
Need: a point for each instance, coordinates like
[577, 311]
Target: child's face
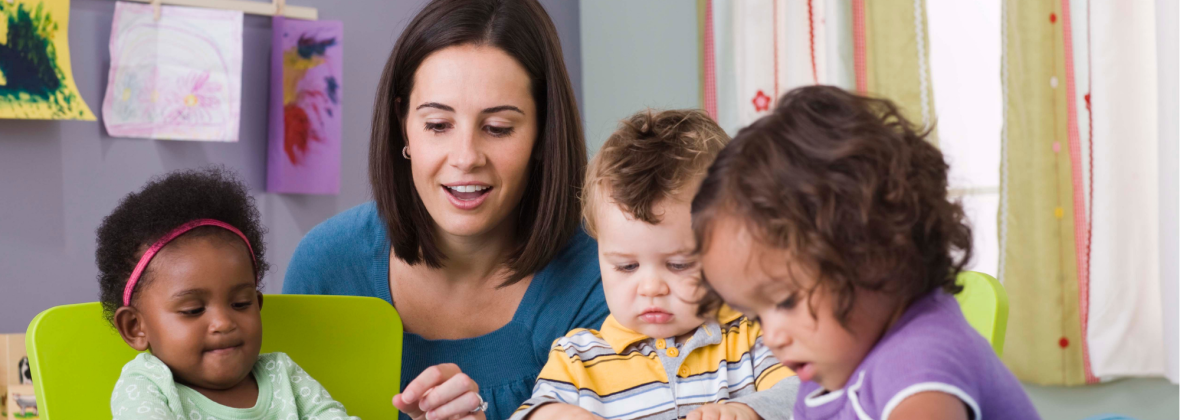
[761, 282]
[649, 272]
[200, 312]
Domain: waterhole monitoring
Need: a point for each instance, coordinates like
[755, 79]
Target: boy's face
[761, 282]
[649, 272]
[200, 312]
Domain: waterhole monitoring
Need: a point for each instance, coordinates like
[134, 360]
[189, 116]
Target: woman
[475, 160]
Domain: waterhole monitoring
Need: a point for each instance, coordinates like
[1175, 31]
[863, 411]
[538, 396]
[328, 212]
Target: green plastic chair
[985, 305]
[351, 345]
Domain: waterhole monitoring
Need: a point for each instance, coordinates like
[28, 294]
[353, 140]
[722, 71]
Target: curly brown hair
[849, 187]
[652, 156]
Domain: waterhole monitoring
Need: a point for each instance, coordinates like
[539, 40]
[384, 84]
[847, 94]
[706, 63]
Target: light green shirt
[146, 391]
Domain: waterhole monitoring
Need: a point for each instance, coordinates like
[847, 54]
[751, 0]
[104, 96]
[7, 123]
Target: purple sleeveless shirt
[930, 348]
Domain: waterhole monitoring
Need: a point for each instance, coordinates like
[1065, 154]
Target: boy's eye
[193, 312]
[675, 266]
[498, 131]
[437, 127]
[627, 268]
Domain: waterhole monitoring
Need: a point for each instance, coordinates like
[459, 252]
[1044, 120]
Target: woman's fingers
[429, 378]
[458, 385]
[408, 408]
[459, 407]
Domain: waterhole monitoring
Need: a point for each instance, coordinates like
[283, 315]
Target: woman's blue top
[349, 255]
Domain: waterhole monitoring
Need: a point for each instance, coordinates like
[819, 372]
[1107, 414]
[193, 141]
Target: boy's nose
[653, 285]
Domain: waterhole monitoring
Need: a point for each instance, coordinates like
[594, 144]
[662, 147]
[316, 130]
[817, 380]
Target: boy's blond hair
[653, 155]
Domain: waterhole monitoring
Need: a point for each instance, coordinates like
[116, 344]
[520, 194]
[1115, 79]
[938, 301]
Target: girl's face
[763, 283]
[470, 129]
[199, 313]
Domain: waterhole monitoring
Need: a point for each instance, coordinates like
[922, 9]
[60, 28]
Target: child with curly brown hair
[829, 221]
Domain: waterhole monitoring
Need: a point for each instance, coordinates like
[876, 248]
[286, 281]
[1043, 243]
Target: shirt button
[672, 352]
[684, 371]
[660, 344]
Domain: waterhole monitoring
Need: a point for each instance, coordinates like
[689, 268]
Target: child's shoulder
[580, 338]
[146, 365]
[933, 348]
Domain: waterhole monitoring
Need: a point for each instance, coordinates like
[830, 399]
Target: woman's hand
[729, 411]
[559, 411]
[441, 392]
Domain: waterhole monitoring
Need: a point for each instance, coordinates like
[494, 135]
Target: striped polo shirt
[617, 373]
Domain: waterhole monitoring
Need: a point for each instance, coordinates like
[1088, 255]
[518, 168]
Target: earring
[406, 152]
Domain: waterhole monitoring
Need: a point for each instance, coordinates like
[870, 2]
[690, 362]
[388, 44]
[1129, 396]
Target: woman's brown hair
[548, 213]
[847, 185]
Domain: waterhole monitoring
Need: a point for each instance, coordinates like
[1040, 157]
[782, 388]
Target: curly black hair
[163, 204]
[848, 185]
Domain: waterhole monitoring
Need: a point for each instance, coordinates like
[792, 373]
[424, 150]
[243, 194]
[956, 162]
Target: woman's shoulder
[577, 261]
[361, 220]
[337, 253]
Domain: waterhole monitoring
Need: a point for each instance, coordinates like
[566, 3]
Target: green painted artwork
[36, 81]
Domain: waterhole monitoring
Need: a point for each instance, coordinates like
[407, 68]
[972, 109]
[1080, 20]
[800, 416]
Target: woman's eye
[681, 266]
[437, 127]
[627, 268]
[499, 131]
[193, 312]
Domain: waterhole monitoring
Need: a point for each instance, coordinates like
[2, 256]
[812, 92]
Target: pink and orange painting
[305, 107]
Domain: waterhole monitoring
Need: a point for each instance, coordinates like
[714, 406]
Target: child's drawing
[176, 78]
[305, 126]
[36, 81]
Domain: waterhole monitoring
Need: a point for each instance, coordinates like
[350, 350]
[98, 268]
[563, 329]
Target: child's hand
[562, 412]
[728, 411]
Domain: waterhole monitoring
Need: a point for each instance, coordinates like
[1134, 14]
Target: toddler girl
[829, 221]
[179, 266]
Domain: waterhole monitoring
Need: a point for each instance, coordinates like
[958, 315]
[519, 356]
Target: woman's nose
[467, 153]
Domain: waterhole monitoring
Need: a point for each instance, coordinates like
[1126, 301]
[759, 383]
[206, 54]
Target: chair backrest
[351, 345]
[985, 305]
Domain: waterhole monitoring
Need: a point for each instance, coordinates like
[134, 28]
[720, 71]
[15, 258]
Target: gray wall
[637, 54]
[58, 179]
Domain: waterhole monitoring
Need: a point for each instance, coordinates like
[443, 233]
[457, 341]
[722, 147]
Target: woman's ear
[130, 323]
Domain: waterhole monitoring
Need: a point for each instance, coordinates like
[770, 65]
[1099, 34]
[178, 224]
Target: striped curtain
[1079, 202]
[754, 51]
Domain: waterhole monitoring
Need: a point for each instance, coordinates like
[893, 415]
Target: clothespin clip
[280, 7]
[156, 10]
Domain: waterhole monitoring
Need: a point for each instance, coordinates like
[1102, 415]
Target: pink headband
[151, 252]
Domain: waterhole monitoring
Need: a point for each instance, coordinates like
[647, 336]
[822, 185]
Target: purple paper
[305, 99]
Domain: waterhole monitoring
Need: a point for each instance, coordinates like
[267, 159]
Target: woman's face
[470, 129]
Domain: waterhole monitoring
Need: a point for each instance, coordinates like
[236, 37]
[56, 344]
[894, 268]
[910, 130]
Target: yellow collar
[620, 337]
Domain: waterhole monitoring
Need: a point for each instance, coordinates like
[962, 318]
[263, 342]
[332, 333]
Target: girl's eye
[193, 312]
[243, 305]
[437, 127]
[789, 303]
[499, 131]
[681, 266]
[627, 268]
